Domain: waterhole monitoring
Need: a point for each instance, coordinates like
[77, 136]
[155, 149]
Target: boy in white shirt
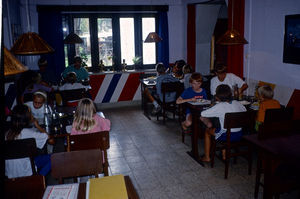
[229, 79]
[225, 105]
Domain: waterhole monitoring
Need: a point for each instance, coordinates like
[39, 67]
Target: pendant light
[72, 38]
[12, 65]
[153, 37]
[30, 43]
[232, 36]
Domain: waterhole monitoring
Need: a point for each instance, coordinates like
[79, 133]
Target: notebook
[63, 191]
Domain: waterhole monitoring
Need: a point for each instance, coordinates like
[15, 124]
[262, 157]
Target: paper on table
[64, 191]
[110, 187]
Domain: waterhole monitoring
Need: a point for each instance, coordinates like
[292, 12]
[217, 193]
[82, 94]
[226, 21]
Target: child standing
[266, 101]
[86, 120]
[225, 105]
[191, 94]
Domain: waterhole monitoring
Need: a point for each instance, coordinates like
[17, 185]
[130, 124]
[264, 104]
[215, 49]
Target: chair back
[76, 164]
[75, 94]
[25, 187]
[280, 114]
[27, 97]
[168, 87]
[278, 129]
[99, 140]
[245, 120]
[15, 149]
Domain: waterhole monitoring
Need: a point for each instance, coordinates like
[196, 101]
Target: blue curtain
[50, 29]
[163, 32]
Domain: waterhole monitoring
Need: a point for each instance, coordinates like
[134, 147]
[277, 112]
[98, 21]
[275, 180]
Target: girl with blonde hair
[86, 119]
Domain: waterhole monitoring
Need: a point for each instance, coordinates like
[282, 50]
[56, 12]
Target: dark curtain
[235, 56]
[163, 32]
[191, 36]
[50, 29]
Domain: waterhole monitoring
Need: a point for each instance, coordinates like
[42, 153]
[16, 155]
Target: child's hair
[77, 59]
[196, 77]
[84, 115]
[20, 118]
[42, 61]
[220, 69]
[71, 77]
[40, 94]
[187, 69]
[160, 68]
[266, 92]
[180, 63]
[223, 92]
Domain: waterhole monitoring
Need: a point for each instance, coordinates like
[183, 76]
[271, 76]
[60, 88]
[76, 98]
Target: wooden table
[197, 131]
[132, 194]
[273, 149]
[146, 84]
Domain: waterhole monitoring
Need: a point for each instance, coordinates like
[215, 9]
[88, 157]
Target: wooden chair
[76, 164]
[170, 87]
[244, 120]
[15, 149]
[32, 187]
[280, 114]
[271, 130]
[99, 140]
[72, 95]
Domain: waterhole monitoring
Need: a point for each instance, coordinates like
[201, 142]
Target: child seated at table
[192, 94]
[225, 105]
[266, 101]
[20, 128]
[86, 119]
[187, 72]
[71, 83]
[37, 106]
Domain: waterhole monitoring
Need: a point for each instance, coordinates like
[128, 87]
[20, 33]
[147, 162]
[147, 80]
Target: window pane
[65, 32]
[149, 50]
[105, 40]
[82, 29]
[127, 40]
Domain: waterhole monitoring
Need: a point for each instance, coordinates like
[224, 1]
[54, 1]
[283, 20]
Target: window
[111, 38]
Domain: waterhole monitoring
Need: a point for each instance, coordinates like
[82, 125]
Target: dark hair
[77, 59]
[20, 118]
[196, 77]
[223, 92]
[71, 77]
[180, 63]
[160, 68]
[42, 61]
[220, 68]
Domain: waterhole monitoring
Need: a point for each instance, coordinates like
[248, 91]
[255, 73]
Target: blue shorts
[234, 136]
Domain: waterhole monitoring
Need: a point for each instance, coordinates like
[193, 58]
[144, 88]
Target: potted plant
[137, 60]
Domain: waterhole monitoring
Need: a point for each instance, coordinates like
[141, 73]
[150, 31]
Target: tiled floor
[154, 157]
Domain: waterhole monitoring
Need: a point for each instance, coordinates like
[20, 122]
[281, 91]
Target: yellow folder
[110, 187]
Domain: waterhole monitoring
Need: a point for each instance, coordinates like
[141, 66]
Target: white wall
[264, 29]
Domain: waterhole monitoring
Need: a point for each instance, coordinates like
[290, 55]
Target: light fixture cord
[28, 15]
[232, 14]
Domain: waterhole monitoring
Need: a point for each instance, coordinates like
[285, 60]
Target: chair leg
[212, 152]
[105, 169]
[227, 152]
[257, 178]
[183, 135]
[249, 160]
[164, 115]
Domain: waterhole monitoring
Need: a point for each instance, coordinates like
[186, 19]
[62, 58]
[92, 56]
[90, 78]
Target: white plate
[201, 102]
[244, 102]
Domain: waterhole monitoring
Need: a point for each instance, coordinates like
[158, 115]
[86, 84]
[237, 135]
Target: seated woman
[86, 119]
[21, 120]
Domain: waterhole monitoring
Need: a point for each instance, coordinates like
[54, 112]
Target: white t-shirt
[69, 86]
[22, 167]
[230, 80]
[37, 113]
[219, 110]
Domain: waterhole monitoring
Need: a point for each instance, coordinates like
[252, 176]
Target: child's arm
[180, 100]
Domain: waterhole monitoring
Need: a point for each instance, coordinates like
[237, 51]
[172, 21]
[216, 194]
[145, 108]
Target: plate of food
[201, 102]
[244, 102]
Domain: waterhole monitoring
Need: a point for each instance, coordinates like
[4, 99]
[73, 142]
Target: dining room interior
[144, 149]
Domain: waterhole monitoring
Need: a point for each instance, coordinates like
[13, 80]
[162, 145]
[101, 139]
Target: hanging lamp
[12, 65]
[153, 37]
[30, 43]
[232, 36]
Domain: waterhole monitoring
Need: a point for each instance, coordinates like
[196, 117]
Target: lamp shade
[12, 65]
[232, 37]
[152, 37]
[73, 38]
[31, 44]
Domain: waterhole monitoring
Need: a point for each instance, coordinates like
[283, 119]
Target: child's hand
[193, 99]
